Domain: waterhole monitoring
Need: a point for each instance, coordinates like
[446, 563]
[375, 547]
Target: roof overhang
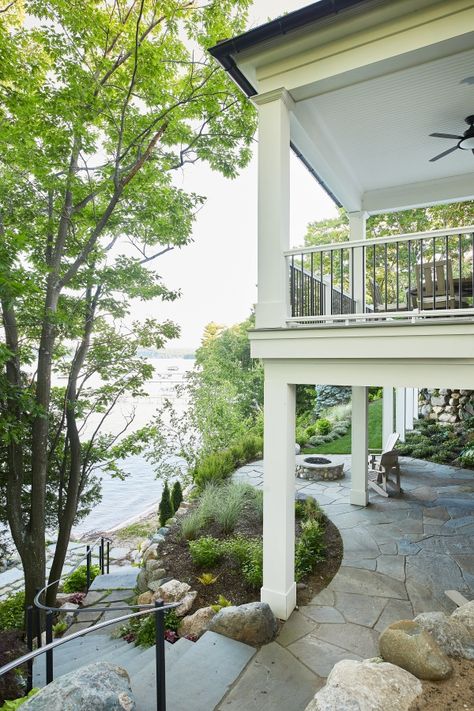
[370, 80]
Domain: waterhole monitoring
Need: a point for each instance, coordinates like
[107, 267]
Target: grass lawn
[343, 444]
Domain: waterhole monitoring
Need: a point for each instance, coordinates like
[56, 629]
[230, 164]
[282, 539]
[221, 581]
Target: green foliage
[220, 603]
[309, 548]
[206, 552]
[436, 442]
[330, 395]
[135, 530]
[12, 612]
[467, 456]
[208, 579]
[191, 524]
[16, 703]
[59, 629]
[104, 102]
[77, 581]
[165, 508]
[308, 509]
[323, 426]
[172, 621]
[214, 468]
[176, 495]
[342, 445]
[258, 503]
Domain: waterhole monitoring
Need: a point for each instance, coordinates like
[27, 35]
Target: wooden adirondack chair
[382, 464]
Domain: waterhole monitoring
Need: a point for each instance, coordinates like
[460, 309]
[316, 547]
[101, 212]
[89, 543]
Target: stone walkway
[400, 555]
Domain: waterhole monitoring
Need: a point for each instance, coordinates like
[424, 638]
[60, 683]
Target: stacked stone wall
[445, 405]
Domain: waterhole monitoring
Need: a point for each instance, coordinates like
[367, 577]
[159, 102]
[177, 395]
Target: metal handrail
[89, 548]
[415, 236]
[158, 607]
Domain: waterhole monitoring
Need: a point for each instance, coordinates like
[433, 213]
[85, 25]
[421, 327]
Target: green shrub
[258, 503]
[213, 468]
[12, 612]
[316, 440]
[165, 508]
[467, 456]
[301, 437]
[59, 629]
[206, 552]
[172, 621]
[299, 508]
[191, 525]
[311, 431]
[176, 495]
[12, 646]
[252, 446]
[323, 426]
[77, 581]
[253, 568]
[13, 705]
[231, 505]
[309, 548]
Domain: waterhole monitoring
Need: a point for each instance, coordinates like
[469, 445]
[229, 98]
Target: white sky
[217, 274]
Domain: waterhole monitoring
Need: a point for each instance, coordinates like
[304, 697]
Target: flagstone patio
[400, 555]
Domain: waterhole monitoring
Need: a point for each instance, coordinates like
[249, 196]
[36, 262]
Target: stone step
[123, 578]
[200, 677]
[143, 680]
[120, 656]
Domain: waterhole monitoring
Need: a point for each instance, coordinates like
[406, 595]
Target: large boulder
[186, 603]
[142, 581]
[150, 553]
[366, 686]
[451, 633]
[411, 647]
[96, 687]
[155, 575]
[172, 591]
[196, 624]
[465, 614]
[253, 623]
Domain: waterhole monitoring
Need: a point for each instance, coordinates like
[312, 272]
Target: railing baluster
[49, 653]
[322, 295]
[472, 267]
[460, 269]
[313, 310]
[102, 561]
[386, 276]
[374, 278]
[341, 257]
[88, 567]
[292, 286]
[108, 557]
[422, 275]
[302, 286]
[160, 657]
[397, 268]
[331, 282]
[435, 281]
[37, 616]
[410, 298]
[351, 277]
[29, 644]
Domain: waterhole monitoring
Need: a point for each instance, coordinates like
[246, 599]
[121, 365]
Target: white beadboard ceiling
[378, 130]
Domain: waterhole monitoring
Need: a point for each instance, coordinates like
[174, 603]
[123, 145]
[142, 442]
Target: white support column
[400, 413]
[387, 414]
[279, 587]
[272, 308]
[359, 487]
[357, 231]
[409, 397]
[416, 406]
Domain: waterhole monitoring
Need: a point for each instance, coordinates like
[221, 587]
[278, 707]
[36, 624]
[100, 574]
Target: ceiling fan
[464, 142]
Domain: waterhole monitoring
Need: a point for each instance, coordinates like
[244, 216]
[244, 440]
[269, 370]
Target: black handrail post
[88, 568]
[101, 556]
[108, 557]
[160, 657]
[49, 653]
[38, 623]
[29, 644]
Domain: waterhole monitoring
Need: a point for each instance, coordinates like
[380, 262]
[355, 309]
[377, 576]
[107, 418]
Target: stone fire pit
[314, 467]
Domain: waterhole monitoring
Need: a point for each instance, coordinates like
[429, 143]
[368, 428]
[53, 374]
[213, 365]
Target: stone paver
[400, 555]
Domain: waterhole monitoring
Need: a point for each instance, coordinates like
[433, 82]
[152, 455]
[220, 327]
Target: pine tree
[176, 495]
[165, 508]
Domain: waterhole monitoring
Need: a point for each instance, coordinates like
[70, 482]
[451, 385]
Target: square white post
[409, 395]
[279, 587]
[359, 486]
[400, 413]
[357, 231]
[387, 414]
[273, 306]
[416, 404]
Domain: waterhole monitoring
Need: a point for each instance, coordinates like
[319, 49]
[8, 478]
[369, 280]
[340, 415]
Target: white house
[356, 88]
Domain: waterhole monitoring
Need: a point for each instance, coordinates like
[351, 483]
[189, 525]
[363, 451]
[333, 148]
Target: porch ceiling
[370, 141]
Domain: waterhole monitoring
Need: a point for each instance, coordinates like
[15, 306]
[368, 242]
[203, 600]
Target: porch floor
[400, 555]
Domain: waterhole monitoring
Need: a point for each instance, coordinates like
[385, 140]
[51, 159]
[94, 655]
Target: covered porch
[357, 89]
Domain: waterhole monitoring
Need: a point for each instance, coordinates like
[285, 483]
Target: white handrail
[414, 236]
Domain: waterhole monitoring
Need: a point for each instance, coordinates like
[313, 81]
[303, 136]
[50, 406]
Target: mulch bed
[453, 694]
[230, 581]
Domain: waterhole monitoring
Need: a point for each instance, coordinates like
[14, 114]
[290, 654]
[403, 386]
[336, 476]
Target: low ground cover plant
[219, 466]
[12, 612]
[77, 581]
[441, 443]
[142, 630]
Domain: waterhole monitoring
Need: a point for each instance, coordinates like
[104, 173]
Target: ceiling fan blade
[444, 153]
[445, 135]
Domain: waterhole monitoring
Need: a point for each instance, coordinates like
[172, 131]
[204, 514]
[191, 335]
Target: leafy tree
[165, 507]
[176, 495]
[102, 101]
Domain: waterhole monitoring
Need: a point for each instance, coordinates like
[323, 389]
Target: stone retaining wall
[448, 406]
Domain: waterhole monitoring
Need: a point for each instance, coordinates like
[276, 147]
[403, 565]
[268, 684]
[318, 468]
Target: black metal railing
[35, 626]
[429, 273]
[159, 609]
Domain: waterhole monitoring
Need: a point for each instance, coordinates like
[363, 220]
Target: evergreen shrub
[165, 508]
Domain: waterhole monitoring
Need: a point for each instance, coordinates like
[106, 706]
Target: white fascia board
[355, 51]
[456, 188]
[404, 373]
[370, 343]
[326, 160]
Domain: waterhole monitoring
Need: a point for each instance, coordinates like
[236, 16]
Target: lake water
[141, 490]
